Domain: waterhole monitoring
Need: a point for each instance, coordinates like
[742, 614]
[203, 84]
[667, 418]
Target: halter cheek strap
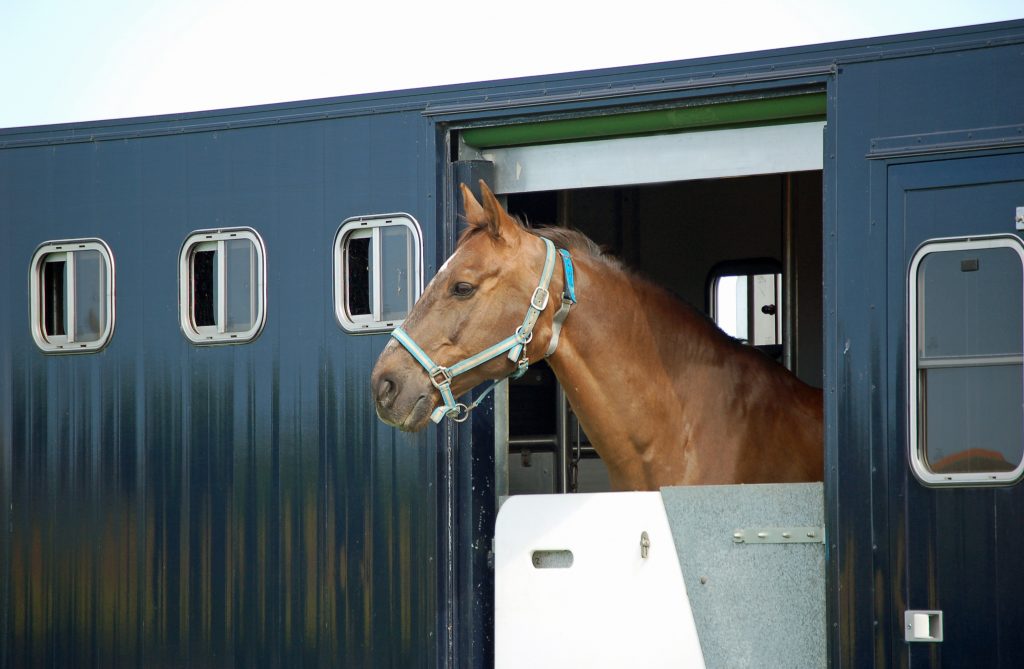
[515, 345]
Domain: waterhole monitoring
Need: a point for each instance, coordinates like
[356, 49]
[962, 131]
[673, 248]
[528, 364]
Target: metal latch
[922, 626]
[780, 535]
[645, 544]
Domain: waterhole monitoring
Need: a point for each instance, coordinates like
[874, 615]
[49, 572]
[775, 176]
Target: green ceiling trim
[769, 110]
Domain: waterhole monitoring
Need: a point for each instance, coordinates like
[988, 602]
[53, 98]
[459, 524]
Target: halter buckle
[539, 301]
[444, 373]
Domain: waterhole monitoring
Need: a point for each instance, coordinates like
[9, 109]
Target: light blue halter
[515, 345]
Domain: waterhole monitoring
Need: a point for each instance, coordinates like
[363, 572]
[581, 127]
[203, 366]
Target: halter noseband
[515, 345]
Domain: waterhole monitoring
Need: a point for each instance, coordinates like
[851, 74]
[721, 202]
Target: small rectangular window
[966, 377]
[222, 295]
[72, 293]
[746, 302]
[377, 271]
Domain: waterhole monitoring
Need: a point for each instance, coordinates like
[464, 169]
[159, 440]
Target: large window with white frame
[222, 296]
[377, 271]
[71, 286]
[966, 361]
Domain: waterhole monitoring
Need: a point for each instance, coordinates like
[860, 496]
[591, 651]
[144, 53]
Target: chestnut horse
[665, 397]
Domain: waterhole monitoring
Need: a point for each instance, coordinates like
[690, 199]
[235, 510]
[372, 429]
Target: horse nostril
[386, 392]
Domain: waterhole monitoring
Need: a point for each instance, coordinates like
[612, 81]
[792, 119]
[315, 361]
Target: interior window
[966, 377]
[222, 286]
[377, 271]
[746, 301]
[72, 292]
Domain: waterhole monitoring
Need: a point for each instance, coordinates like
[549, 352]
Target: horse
[665, 397]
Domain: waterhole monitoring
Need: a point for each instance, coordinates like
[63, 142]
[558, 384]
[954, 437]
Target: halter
[515, 345]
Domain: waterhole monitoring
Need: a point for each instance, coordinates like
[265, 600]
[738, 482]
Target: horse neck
[624, 347]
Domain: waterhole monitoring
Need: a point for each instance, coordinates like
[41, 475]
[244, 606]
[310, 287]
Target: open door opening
[744, 250]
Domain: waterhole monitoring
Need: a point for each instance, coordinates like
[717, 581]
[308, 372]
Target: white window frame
[214, 239]
[362, 227]
[916, 453]
[69, 342]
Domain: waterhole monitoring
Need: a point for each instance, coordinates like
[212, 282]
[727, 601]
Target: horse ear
[490, 217]
[476, 217]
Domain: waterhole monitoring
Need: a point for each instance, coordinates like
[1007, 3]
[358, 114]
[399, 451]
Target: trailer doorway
[733, 212]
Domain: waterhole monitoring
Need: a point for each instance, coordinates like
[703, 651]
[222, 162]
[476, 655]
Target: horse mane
[572, 240]
[577, 242]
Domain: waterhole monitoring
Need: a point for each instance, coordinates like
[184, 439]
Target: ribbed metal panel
[240, 505]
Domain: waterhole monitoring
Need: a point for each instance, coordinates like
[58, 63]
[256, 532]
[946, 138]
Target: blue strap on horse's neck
[568, 299]
[515, 345]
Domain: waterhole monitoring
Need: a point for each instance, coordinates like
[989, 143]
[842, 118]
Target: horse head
[477, 299]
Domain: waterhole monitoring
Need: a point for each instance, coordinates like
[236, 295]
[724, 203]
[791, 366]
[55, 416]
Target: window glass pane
[766, 294]
[731, 306]
[240, 289]
[359, 264]
[748, 307]
[972, 418]
[90, 295]
[54, 304]
[970, 303]
[396, 272]
[204, 288]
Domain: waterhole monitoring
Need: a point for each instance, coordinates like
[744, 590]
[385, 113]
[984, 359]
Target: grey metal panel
[708, 154]
[754, 605]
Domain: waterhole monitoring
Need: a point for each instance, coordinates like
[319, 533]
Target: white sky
[78, 60]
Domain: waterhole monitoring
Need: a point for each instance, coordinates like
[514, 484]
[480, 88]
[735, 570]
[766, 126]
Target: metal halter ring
[465, 413]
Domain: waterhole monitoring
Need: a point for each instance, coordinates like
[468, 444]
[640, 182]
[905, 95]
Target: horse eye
[463, 289]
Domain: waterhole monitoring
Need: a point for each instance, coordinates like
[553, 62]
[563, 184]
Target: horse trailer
[192, 470]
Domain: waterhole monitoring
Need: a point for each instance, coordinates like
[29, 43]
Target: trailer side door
[956, 446]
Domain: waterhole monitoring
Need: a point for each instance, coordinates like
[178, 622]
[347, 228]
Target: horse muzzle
[404, 398]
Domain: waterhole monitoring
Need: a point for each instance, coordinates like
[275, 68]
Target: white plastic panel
[710, 154]
[572, 589]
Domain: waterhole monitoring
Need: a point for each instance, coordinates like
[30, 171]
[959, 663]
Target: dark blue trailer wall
[925, 143]
[169, 504]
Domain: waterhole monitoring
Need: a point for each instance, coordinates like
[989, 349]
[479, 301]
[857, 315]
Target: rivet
[762, 535]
